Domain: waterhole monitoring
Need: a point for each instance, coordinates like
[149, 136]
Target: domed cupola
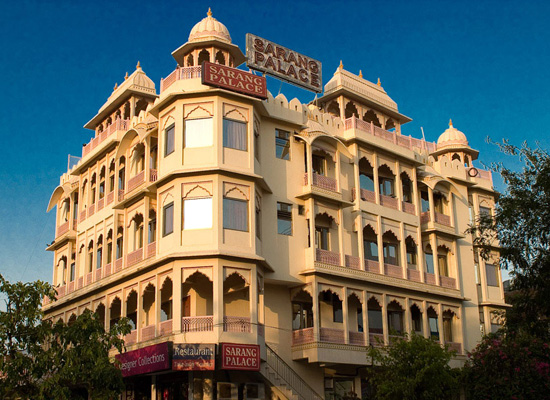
[454, 144]
[209, 40]
[209, 28]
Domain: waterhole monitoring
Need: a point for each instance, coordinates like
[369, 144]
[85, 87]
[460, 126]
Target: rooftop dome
[452, 137]
[209, 28]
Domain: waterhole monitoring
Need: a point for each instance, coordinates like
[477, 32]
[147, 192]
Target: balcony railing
[134, 257]
[236, 324]
[376, 339]
[135, 181]
[131, 337]
[63, 228]
[302, 336]
[330, 335]
[70, 287]
[429, 278]
[393, 270]
[119, 124]
[98, 274]
[388, 201]
[165, 327]
[322, 182]
[353, 262]
[425, 217]
[372, 266]
[118, 264]
[100, 203]
[148, 332]
[407, 142]
[447, 282]
[197, 324]
[327, 257]
[82, 215]
[357, 338]
[120, 194]
[151, 249]
[153, 175]
[455, 346]
[178, 74]
[89, 277]
[442, 219]
[413, 275]
[108, 269]
[91, 210]
[110, 197]
[408, 208]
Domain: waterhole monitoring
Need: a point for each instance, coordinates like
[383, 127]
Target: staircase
[285, 379]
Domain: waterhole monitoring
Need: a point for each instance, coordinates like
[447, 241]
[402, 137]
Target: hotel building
[307, 231]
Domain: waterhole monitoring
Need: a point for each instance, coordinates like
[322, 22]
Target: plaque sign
[194, 357]
[244, 357]
[234, 79]
[278, 61]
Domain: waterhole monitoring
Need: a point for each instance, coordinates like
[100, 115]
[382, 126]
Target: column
[408, 319]
[309, 164]
[217, 306]
[380, 243]
[176, 299]
[254, 301]
[415, 193]
[452, 209]
[403, 251]
[398, 186]
[345, 316]
[315, 310]
[440, 323]
[385, 320]
[360, 241]
[356, 180]
[365, 309]
[421, 259]
[433, 244]
[432, 205]
[425, 322]
[375, 177]
[341, 236]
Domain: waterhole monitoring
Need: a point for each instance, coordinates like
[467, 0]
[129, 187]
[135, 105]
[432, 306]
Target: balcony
[414, 275]
[357, 338]
[137, 182]
[442, 219]
[366, 195]
[327, 257]
[376, 339]
[303, 336]
[408, 208]
[322, 182]
[353, 262]
[131, 337]
[118, 125]
[447, 282]
[151, 249]
[236, 324]
[455, 347]
[372, 266]
[178, 74]
[372, 130]
[389, 201]
[134, 257]
[148, 333]
[393, 270]
[197, 324]
[330, 335]
[429, 278]
[165, 327]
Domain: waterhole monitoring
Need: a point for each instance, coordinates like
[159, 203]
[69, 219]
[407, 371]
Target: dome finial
[209, 13]
[341, 66]
[379, 83]
[450, 123]
[138, 66]
[126, 76]
[116, 86]
[360, 74]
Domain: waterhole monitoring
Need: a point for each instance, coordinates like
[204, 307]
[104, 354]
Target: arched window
[127, 110]
[110, 246]
[100, 313]
[166, 300]
[190, 60]
[102, 183]
[386, 180]
[440, 202]
[370, 243]
[428, 255]
[92, 189]
[138, 159]
[115, 311]
[152, 227]
[334, 109]
[406, 185]
[220, 58]
[131, 309]
[112, 176]
[119, 242]
[204, 55]
[149, 305]
[416, 318]
[412, 259]
[366, 175]
[443, 260]
[153, 154]
[302, 311]
[395, 318]
[433, 323]
[448, 317]
[141, 105]
[138, 231]
[323, 224]
[351, 110]
[455, 156]
[99, 252]
[390, 125]
[332, 300]
[370, 116]
[90, 260]
[121, 173]
[391, 248]
[375, 317]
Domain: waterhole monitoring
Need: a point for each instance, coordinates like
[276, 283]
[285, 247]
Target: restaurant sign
[266, 56]
[240, 356]
[234, 79]
[194, 357]
[146, 360]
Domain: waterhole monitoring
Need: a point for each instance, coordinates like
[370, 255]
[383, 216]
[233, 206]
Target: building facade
[286, 235]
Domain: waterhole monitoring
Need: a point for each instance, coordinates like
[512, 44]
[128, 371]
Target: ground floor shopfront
[184, 371]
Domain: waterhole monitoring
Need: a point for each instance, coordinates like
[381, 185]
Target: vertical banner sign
[244, 357]
[266, 56]
[194, 357]
[146, 360]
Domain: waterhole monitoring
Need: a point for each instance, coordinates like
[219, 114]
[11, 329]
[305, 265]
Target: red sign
[240, 356]
[194, 357]
[145, 360]
[234, 79]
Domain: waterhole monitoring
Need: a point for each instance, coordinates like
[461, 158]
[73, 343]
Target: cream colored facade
[313, 231]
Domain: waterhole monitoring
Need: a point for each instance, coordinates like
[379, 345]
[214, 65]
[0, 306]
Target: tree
[413, 368]
[43, 360]
[521, 224]
[507, 366]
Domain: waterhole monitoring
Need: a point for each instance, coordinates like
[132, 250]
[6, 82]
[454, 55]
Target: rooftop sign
[234, 79]
[266, 56]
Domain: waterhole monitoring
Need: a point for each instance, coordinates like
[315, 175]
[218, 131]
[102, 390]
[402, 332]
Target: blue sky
[482, 63]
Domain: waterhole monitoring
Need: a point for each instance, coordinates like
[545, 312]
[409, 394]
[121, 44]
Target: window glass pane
[492, 275]
[485, 211]
[371, 250]
[366, 182]
[434, 328]
[235, 214]
[199, 133]
[337, 314]
[234, 134]
[282, 144]
[424, 201]
[197, 214]
[168, 219]
[284, 219]
[375, 321]
[430, 263]
[169, 140]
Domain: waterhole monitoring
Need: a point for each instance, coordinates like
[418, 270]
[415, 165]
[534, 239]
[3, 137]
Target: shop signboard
[233, 79]
[280, 62]
[146, 360]
[194, 357]
[240, 356]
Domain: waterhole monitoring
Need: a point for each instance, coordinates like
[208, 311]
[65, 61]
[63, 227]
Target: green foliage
[413, 368]
[508, 367]
[41, 360]
[522, 226]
